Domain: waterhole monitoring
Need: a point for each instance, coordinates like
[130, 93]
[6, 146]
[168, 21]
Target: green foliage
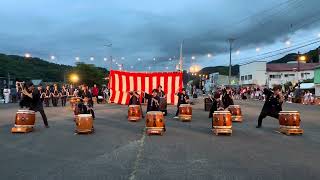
[312, 57]
[31, 68]
[89, 74]
[21, 68]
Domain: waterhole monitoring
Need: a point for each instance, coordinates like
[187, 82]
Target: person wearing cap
[36, 103]
[183, 98]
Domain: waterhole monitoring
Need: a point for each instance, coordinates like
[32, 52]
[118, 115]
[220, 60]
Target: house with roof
[289, 72]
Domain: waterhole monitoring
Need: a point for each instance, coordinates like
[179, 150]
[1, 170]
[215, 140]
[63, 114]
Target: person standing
[36, 104]
[55, 96]
[95, 92]
[47, 96]
[183, 98]
[63, 95]
[86, 96]
[6, 95]
[153, 101]
[227, 99]
[272, 105]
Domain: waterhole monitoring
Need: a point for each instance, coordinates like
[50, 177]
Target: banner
[122, 82]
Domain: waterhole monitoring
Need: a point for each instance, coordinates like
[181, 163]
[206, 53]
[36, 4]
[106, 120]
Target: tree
[89, 74]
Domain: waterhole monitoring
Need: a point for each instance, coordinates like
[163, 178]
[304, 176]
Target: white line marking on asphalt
[139, 156]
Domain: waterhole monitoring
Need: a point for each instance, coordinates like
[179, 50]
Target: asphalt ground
[188, 150]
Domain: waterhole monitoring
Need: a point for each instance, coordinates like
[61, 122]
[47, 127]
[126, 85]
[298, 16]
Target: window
[275, 76]
[289, 75]
[249, 77]
[242, 78]
[246, 77]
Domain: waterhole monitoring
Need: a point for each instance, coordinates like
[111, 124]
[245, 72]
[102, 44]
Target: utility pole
[181, 57]
[231, 40]
[8, 80]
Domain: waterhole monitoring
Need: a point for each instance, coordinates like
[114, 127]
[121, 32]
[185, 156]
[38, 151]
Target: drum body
[317, 101]
[134, 113]
[25, 118]
[163, 104]
[222, 120]
[236, 113]
[289, 119]
[84, 123]
[185, 112]
[155, 120]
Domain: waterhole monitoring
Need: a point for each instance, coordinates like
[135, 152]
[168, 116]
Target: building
[317, 81]
[289, 72]
[253, 73]
[217, 80]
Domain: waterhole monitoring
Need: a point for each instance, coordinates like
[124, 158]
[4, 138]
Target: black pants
[44, 117]
[265, 114]
[63, 101]
[55, 102]
[47, 102]
[177, 113]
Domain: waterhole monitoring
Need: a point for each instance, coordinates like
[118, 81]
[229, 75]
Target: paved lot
[121, 150]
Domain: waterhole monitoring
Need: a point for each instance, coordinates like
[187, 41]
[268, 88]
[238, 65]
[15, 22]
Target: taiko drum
[25, 118]
[134, 112]
[84, 123]
[155, 119]
[289, 119]
[222, 120]
[185, 111]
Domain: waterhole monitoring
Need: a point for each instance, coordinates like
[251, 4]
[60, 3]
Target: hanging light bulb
[91, 58]
[27, 55]
[77, 58]
[238, 52]
[105, 59]
[258, 49]
[209, 55]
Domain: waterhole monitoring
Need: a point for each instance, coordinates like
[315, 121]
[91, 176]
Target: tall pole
[298, 72]
[231, 40]
[181, 57]
[8, 80]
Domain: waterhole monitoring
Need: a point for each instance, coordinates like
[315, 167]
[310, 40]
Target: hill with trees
[24, 69]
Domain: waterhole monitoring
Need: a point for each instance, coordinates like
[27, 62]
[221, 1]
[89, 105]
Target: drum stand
[237, 118]
[21, 129]
[155, 131]
[185, 118]
[291, 131]
[87, 131]
[222, 130]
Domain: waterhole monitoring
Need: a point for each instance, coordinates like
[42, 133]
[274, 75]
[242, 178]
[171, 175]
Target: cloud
[149, 28]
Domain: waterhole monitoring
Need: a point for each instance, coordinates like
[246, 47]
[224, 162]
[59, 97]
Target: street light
[27, 55]
[74, 78]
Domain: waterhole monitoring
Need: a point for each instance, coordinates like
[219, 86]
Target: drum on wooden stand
[163, 105]
[185, 112]
[236, 113]
[84, 123]
[134, 113]
[155, 122]
[24, 122]
[289, 122]
[222, 122]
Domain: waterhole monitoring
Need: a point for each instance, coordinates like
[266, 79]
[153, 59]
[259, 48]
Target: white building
[289, 72]
[217, 80]
[253, 73]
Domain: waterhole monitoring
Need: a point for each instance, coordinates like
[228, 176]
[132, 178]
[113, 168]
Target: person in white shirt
[6, 95]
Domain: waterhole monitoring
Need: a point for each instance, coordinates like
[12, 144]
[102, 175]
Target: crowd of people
[53, 94]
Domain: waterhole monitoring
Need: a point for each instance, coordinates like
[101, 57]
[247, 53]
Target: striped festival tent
[122, 82]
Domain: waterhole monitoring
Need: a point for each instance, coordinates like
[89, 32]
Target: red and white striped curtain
[122, 82]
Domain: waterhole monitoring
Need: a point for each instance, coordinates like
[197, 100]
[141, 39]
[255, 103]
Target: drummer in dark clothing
[227, 98]
[163, 100]
[86, 96]
[36, 103]
[153, 101]
[272, 105]
[135, 100]
[183, 98]
[216, 104]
